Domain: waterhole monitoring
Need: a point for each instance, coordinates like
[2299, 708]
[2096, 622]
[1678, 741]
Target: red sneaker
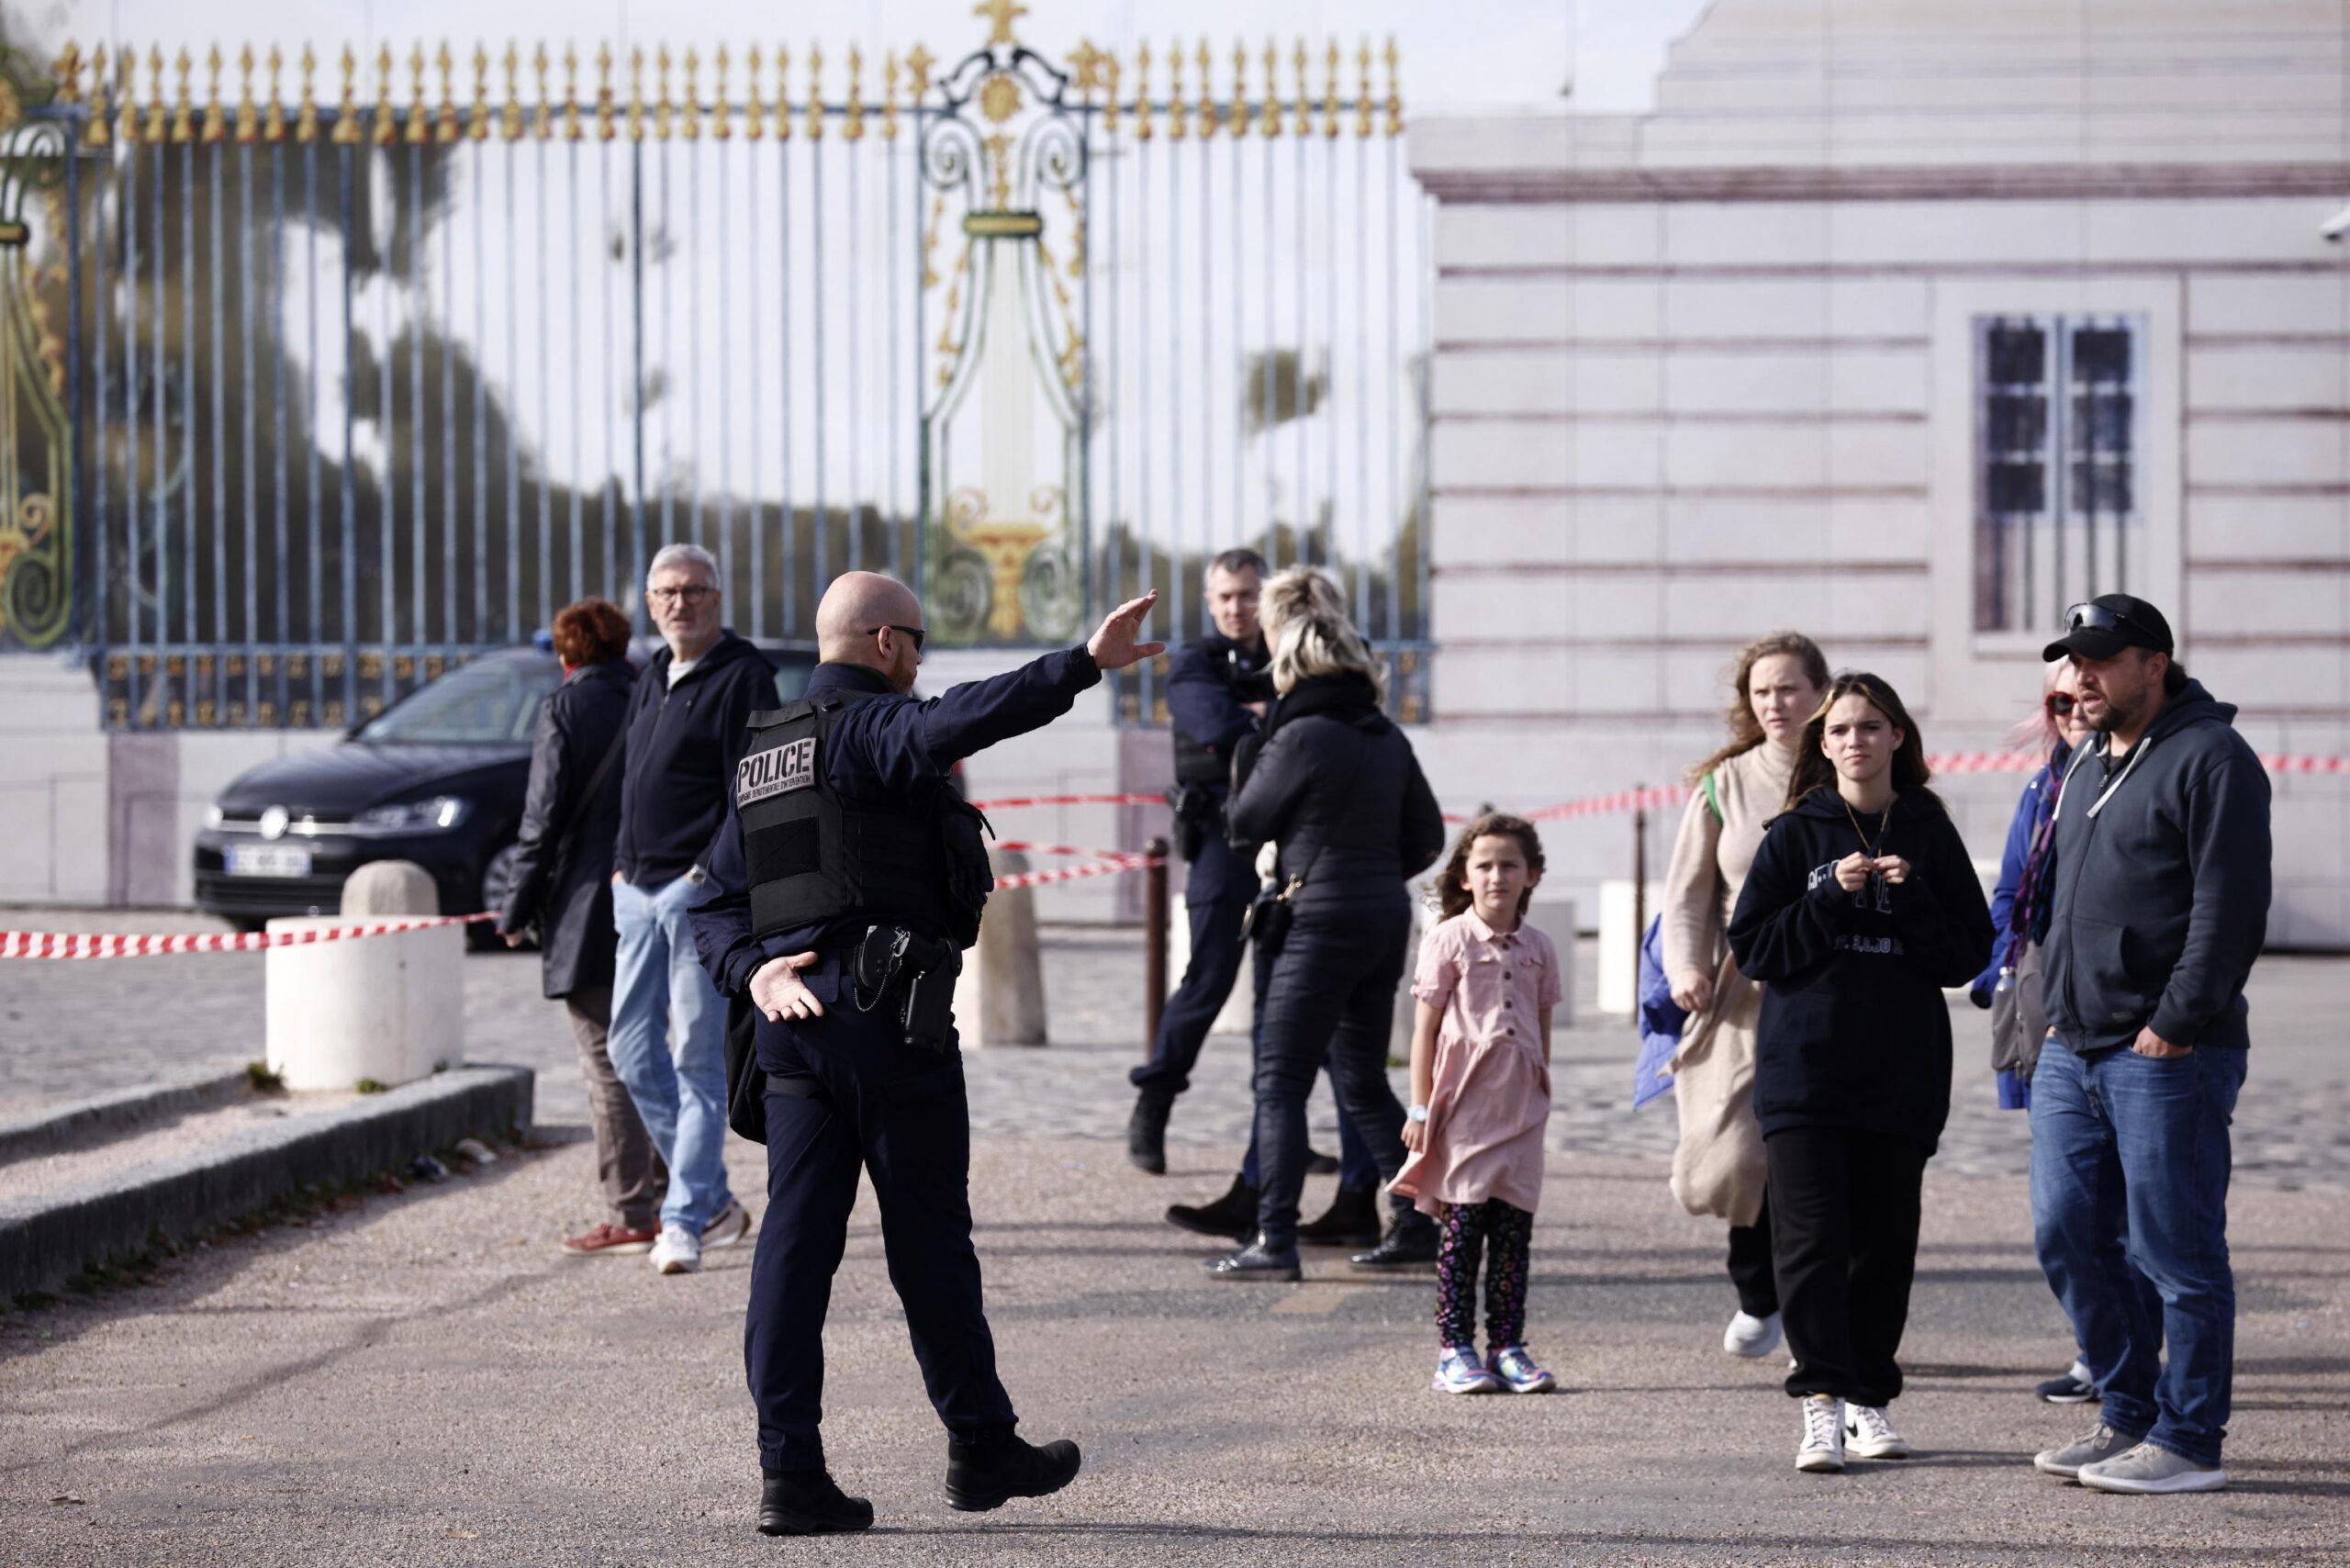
[609, 1241]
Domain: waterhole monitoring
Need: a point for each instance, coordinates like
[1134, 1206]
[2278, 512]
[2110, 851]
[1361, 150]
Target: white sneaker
[727, 1226]
[1868, 1435]
[678, 1252]
[1752, 1337]
[1822, 1451]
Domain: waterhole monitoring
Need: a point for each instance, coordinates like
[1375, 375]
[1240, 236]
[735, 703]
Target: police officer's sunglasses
[2097, 618]
[916, 632]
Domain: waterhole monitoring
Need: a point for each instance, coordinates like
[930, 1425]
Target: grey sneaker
[2148, 1469]
[2099, 1442]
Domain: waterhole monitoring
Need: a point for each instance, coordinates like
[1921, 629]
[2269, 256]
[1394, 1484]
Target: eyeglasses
[2060, 704]
[692, 593]
[916, 632]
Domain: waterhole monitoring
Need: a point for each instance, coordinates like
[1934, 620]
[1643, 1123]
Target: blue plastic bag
[1660, 1019]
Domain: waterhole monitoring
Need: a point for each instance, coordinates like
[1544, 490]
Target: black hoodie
[683, 743]
[1854, 1032]
[2160, 899]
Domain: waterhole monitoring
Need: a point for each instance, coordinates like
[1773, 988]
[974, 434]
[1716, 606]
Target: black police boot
[981, 1476]
[1258, 1260]
[806, 1502]
[1352, 1220]
[1234, 1215]
[1146, 1131]
[1410, 1241]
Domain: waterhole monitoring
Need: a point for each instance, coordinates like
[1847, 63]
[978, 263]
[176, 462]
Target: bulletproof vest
[1195, 761]
[817, 856]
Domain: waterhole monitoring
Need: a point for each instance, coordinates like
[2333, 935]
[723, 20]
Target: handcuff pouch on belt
[914, 977]
[1198, 814]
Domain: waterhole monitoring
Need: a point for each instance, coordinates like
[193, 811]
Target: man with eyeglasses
[2158, 905]
[685, 729]
[844, 882]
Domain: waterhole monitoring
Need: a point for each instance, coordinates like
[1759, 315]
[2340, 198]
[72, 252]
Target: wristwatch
[1417, 1112]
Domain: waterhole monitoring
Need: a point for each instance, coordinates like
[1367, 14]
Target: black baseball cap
[2104, 625]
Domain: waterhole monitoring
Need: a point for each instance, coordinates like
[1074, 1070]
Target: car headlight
[214, 816]
[438, 815]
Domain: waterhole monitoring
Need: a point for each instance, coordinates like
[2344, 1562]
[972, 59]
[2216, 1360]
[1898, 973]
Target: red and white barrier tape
[1109, 868]
[1020, 847]
[1015, 802]
[122, 945]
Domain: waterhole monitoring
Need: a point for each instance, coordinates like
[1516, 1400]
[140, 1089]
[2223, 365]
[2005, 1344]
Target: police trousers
[846, 1095]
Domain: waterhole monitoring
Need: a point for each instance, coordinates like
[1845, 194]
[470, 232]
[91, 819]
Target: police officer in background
[846, 879]
[1217, 690]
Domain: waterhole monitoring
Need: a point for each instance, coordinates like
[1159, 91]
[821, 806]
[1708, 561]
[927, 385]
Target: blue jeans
[668, 1045]
[2130, 1163]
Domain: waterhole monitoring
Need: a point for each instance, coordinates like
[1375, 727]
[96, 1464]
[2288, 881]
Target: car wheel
[496, 877]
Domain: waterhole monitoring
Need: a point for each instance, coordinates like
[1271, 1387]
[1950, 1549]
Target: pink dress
[1492, 1094]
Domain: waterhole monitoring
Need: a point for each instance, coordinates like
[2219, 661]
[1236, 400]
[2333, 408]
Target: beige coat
[1717, 1166]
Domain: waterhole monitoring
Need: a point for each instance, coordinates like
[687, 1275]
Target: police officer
[844, 880]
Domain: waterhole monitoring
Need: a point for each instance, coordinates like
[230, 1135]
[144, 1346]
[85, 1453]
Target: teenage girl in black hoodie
[1862, 906]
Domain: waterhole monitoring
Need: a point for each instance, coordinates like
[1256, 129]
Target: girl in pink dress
[1480, 1097]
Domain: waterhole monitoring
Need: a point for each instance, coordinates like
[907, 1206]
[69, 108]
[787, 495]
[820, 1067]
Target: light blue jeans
[668, 1045]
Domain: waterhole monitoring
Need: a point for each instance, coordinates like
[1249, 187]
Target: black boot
[1410, 1241]
[1234, 1215]
[1320, 1164]
[981, 1476]
[1353, 1221]
[1257, 1261]
[1146, 1131]
[805, 1502]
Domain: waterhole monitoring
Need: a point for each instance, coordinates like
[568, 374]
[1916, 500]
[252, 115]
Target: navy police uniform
[847, 1091]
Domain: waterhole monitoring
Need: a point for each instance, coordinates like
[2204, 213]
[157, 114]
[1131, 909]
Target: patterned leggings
[1470, 1229]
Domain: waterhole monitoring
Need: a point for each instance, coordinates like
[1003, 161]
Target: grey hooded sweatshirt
[2161, 895]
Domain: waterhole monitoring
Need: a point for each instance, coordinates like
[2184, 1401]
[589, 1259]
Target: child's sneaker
[1518, 1373]
[1459, 1371]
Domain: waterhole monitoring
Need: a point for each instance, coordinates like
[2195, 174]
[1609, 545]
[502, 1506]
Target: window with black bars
[2056, 442]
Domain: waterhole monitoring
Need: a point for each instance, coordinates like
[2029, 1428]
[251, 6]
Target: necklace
[1883, 826]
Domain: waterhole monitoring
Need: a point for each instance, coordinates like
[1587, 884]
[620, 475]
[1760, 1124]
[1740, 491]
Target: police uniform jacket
[1210, 723]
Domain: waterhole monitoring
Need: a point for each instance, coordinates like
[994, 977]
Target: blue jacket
[2021, 828]
[683, 743]
[886, 745]
[1201, 705]
[1660, 1018]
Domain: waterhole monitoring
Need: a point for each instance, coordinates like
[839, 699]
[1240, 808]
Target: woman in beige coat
[1718, 1167]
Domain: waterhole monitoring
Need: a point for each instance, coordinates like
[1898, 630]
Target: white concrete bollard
[390, 1008]
[1555, 918]
[1239, 1010]
[1619, 944]
[1000, 995]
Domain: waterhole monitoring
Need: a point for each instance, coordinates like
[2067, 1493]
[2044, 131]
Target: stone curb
[85, 1122]
[46, 1240]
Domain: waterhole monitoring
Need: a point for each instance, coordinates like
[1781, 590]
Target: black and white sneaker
[1822, 1449]
[2072, 1388]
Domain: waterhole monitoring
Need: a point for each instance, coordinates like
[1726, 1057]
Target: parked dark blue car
[436, 779]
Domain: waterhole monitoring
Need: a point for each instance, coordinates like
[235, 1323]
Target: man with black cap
[2158, 905]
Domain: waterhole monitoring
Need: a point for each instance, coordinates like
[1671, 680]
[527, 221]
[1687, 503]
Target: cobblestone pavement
[71, 1028]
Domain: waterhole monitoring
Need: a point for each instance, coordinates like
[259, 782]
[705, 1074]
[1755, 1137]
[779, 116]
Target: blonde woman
[1332, 783]
[1718, 1167]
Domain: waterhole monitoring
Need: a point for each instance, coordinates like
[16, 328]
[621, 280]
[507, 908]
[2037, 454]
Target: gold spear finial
[451, 126]
[1362, 95]
[719, 105]
[215, 117]
[1271, 125]
[662, 121]
[1239, 115]
[477, 121]
[605, 127]
[248, 111]
[183, 111]
[1142, 91]
[998, 15]
[1394, 90]
[816, 93]
[691, 104]
[159, 124]
[385, 129]
[1178, 117]
[541, 118]
[306, 119]
[782, 92]
[1330, 94]
[420, 117]
[101, 132]
[510, 117]
[1207, 92]
[1110, 93]
[755, 114]
[68, 72]
[272, 116]
[890, 97]
[636, 95]
[571, 131]
[918, 63]
[854, 128]
[346, 121]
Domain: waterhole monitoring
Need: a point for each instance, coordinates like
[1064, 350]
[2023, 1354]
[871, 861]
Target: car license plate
[268, 860]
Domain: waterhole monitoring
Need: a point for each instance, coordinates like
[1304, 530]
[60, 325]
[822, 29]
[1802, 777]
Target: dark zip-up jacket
[1853, 1031]
[2162, 884]
[683, 743]
[1334, 782]
[572, 901]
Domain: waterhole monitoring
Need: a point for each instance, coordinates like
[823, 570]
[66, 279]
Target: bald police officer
[845, 879]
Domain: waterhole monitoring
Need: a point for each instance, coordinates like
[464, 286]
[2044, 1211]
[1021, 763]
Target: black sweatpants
[1750, 1265]
[1844, 1240]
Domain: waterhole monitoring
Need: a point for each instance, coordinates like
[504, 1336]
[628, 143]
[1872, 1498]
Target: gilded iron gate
[316, 387]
